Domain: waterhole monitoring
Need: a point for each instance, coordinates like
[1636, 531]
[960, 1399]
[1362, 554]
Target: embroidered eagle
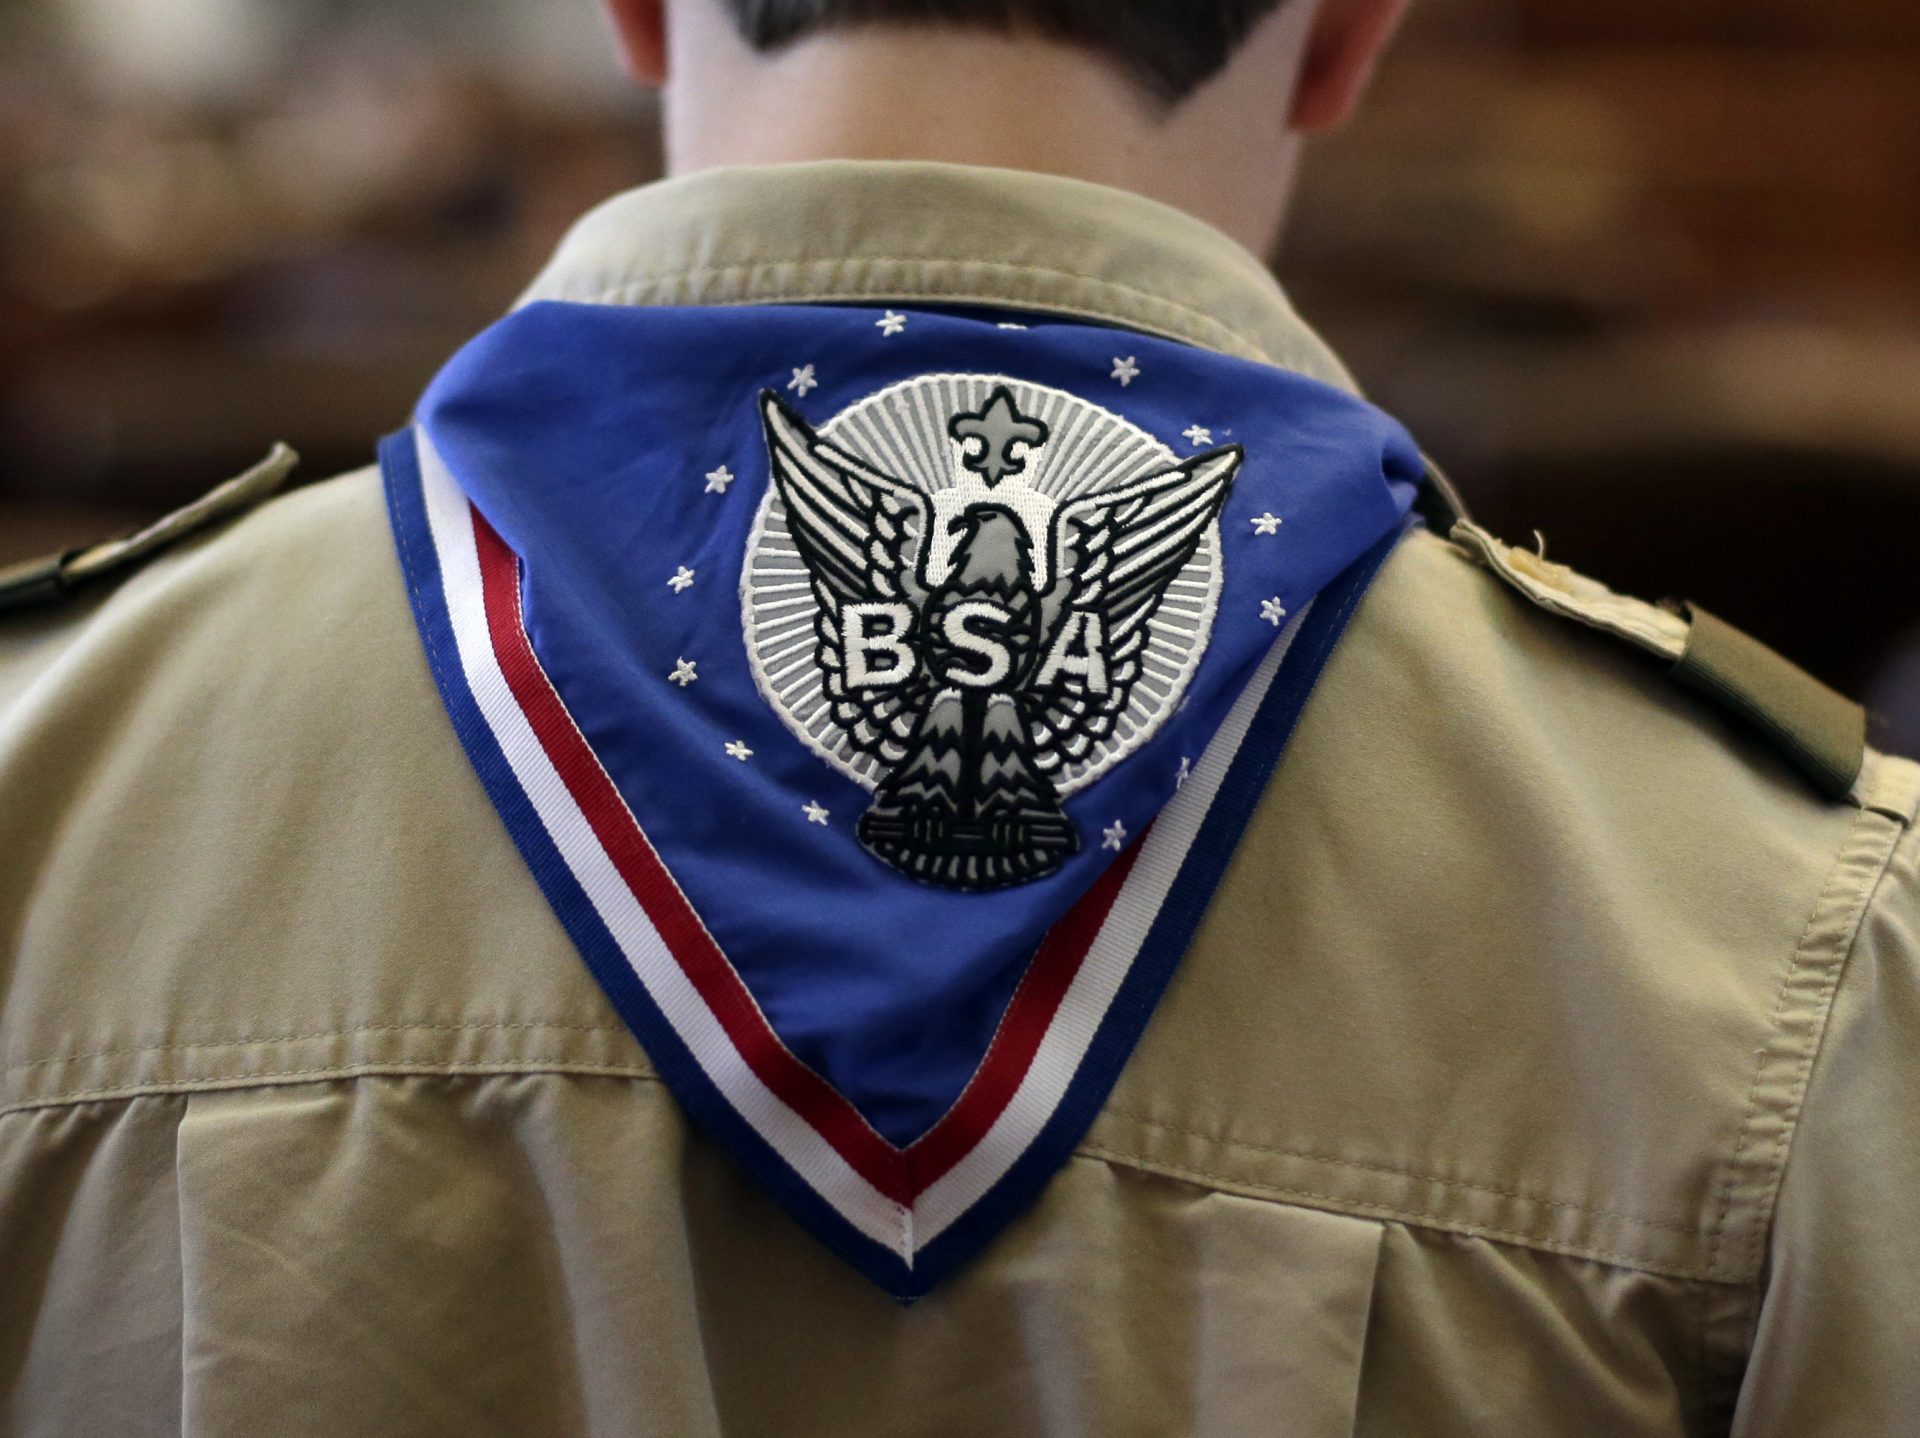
[977, 685]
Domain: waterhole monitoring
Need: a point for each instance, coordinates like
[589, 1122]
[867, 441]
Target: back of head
[1170, 47]
[1197, 103]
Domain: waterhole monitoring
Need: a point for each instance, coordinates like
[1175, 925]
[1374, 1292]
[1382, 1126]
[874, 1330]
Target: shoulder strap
[55, 576]
[1824, 734]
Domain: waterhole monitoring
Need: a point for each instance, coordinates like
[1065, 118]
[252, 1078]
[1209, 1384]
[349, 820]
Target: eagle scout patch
[1011, 587]
[878, 698]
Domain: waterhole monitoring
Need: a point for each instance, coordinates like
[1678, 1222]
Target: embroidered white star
[1198, 434]
[1125, 370]
[1266, 524]
[683, 674]
[739, 750]
[718, 480]
[815, 814]
[803, 381]
[1186, 772]
[890, 323]
[1114, 836]
[682, 580]
[1271, 611]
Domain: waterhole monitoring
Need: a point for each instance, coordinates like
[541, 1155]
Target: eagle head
[993, 546]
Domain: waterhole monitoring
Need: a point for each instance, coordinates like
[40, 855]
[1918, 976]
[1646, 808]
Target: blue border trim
[1173, 927]
[696, 1093]
[1167, 940]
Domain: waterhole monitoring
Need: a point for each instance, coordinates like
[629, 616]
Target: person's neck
[971, 97]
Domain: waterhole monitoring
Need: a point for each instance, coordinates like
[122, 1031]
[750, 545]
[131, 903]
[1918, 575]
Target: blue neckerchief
[1011, 529]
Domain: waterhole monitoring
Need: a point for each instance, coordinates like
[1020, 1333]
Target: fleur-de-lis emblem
[999, 426]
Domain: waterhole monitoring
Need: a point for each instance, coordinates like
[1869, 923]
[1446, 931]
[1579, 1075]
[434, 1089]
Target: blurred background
[1643, 275]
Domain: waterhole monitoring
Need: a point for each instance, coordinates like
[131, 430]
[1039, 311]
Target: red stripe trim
[798, 1086]
[900, 1174]
[1029, 1014]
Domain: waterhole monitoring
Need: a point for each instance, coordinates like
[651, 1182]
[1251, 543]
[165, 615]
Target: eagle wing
[859, 532]
[1118, 551]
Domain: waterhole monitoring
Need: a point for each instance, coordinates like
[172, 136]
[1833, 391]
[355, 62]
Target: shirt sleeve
[1837, 1347]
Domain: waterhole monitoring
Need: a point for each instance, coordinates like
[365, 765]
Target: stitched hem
[450, 1046]
[1410, 1217]
[1750, 1180]
[278, 1078]
[1451, 1184]
[243, 1040]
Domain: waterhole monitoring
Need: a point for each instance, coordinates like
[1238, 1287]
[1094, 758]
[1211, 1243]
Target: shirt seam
[1795, 1030]
[555, 1066]
[1802, 1076]
[1460, 1185]
[524, 1067]
[1750, 1105]
[349, 1031]
[1410, 1217]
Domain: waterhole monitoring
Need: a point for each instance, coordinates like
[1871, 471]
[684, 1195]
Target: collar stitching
[627, 291]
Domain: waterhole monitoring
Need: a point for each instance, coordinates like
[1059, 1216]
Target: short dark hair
[1170, 46]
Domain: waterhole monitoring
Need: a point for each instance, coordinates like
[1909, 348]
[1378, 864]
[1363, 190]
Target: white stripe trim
[796, 1141]
[1108, 962]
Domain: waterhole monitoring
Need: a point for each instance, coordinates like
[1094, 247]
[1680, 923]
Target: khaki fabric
[1546, 1063]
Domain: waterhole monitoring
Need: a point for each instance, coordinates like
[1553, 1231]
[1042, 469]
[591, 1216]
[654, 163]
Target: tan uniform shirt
[1546, 1064]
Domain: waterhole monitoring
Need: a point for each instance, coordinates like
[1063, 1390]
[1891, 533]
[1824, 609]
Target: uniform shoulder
[1673, 654]
[244, 548]
[1511, 923]
[49, 579]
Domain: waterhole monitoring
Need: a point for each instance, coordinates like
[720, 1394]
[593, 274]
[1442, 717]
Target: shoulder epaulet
[55, 576]
[1823, 733]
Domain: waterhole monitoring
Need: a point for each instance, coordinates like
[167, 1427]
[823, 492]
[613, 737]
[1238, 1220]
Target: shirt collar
[841, 230]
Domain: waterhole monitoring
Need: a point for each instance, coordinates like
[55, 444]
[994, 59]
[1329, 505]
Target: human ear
[641, 26]
[1346, 43]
